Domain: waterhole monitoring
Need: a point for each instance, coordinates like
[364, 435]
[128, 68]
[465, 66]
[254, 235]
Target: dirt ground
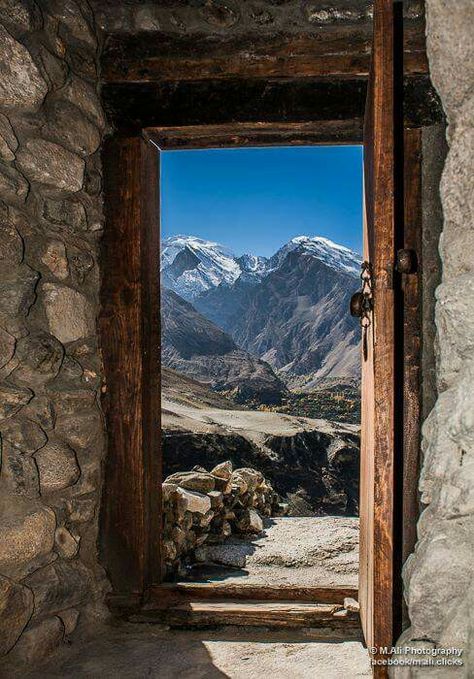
[292, 551]
[144, 651]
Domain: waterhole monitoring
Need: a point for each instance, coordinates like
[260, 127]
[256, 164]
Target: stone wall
[439, 575]
[51, 428]
[203, 508]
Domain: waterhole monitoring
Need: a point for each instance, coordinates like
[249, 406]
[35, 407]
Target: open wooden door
[379, 595]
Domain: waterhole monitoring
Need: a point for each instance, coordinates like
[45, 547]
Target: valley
[261, 367]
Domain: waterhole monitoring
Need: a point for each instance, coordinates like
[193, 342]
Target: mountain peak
[332, 254]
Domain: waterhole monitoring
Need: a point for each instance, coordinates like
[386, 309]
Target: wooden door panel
[378, 372]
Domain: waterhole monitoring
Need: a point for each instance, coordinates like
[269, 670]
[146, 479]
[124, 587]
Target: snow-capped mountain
[191, 266]
[332, 254]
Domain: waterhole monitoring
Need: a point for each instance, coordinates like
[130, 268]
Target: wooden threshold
[205, 613]
[189, 591]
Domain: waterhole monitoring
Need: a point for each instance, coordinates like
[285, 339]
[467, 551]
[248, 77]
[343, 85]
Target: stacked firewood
[208, 507]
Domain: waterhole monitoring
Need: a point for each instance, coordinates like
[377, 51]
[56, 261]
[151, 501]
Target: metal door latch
[406, 261]
[362, 304]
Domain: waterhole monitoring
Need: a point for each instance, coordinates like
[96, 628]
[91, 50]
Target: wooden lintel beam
[134, 106]
[256, 134]
[331, 51]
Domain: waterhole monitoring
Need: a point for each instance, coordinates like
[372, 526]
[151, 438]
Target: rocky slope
[296, 318]
[194, 346]
[312, 464]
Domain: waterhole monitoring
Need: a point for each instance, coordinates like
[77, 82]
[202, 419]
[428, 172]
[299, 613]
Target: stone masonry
[203, 508]
[51, 427]
[438, 577]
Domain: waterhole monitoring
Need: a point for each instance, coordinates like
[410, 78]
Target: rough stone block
[23, 434]
[66, 544]
[38, 641]
[27, 535]
[60, 585]
[21, 86]
[223, 470]
[7, 347]
[13, 185]
[70, 127]
[202, 482]
[12, 399]
[70, 619]
[54, 257]
[82, 430]
[251, 522]
[40, 356]
[17, 290]
[84, 96]
[8, 140]
[193, 502]
[48, 163]
[58, 467]
[70, 315]
[68, 213]
[16, 608]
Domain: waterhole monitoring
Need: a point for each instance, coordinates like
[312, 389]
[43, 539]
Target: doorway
[261, 364]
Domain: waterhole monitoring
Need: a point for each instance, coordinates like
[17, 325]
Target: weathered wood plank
[129, 333]
[256, 134]
[210, 102]
[333, 50]
[275, 614]
[189, 591]
[380, 439]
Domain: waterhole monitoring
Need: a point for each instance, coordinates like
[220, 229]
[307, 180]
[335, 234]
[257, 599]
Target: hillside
[194, 346]
[312, 463]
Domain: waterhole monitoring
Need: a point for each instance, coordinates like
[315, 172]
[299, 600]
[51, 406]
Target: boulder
[252, 477]
[66, 544]
[69, 313]
[39, 641]
[27, 536]
[57, 466]
[22, 88]
[48, 163]
[223, 470]
[193, 502]
[202, 482]
[16, 608]
[250, 522]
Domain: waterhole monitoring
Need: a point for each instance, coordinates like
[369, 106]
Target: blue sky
[255, 200]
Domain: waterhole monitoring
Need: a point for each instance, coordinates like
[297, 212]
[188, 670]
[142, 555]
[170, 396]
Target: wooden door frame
[129, 326]
[130, 330]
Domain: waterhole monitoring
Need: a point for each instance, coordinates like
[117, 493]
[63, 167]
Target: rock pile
[207, 507]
